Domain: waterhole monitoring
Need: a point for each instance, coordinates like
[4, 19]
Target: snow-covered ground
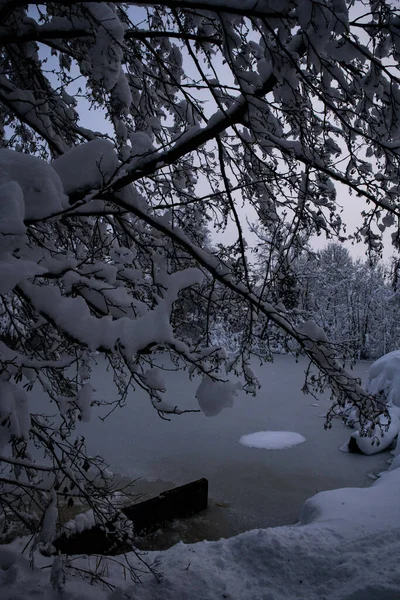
[261, 487]
[345, 548]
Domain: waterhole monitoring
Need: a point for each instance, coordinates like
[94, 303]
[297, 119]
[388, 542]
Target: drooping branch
[319, 353]
[46, 33]
[249, 8]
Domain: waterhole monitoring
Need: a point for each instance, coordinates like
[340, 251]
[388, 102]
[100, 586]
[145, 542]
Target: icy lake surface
[259, 487]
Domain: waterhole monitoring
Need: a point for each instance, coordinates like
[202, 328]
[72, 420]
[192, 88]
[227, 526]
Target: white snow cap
[80, 523]
[84, 401]
[141, 143]
[313, 331]
[214, 396]
[122, 255]
[384, 378]
[87, 166]
[43, 193]
[14, 271]
[154, 379]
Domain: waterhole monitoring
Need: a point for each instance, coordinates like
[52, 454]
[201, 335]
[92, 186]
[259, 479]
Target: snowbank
[383, 381]
[345, 547]
[353, 511]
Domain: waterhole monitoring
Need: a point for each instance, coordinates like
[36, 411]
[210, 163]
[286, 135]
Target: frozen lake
[258, 487]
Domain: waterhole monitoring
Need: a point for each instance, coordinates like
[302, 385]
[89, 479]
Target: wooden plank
[183, 501]
[147, 516]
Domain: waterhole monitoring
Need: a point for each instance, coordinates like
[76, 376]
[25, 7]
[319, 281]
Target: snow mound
[351, 511]
[383, 378]
[272, 440]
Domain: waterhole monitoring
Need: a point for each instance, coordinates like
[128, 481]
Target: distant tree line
[356, 302]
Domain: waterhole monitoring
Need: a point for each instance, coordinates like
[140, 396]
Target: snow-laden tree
[125, 130]
[332, 300]
[352, 300]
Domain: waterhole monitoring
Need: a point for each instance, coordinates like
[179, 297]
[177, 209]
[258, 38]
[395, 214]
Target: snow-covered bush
[104, 213]
[383, 383]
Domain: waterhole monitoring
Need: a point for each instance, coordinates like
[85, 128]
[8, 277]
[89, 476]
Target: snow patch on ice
[272, 440]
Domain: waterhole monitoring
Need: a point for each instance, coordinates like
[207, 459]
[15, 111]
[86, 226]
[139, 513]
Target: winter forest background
[165, 170]
[354, 301]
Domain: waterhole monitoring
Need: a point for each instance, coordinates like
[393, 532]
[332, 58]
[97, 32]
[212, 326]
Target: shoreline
[221, 520]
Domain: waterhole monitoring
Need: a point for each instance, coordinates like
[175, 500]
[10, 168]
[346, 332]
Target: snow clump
[43, 192]
[214, 396]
